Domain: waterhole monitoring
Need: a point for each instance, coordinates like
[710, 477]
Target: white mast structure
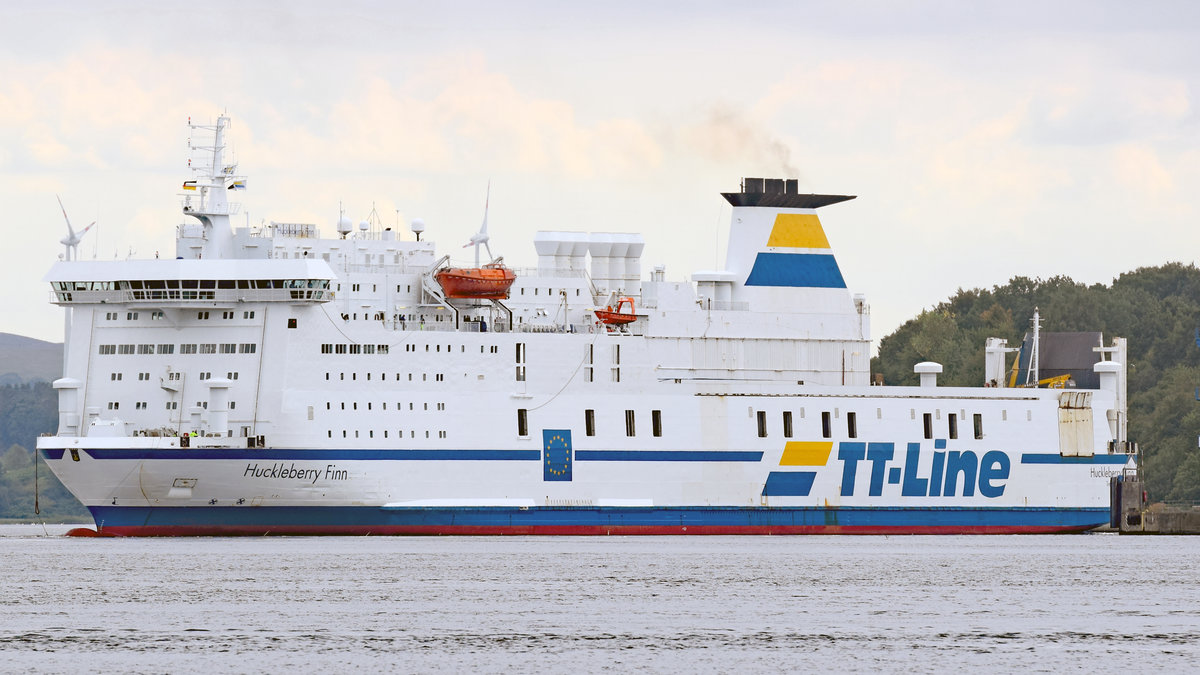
[1031, 376]
[214, 178]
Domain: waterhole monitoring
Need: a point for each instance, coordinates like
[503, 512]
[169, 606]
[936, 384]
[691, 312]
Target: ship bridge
[190, 282]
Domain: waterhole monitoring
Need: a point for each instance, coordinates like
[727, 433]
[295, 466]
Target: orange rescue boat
[615, 317]
[489, 282]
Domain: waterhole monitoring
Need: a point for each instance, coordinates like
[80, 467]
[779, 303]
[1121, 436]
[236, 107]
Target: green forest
[27, 411]
[1156, 308]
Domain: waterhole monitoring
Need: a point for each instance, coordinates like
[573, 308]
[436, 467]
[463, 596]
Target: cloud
[727, 135]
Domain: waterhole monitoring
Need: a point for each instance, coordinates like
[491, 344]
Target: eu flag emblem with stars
[556, 454]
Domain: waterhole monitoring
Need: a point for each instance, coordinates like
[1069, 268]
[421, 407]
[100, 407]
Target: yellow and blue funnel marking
[556, 454]
[797, 483]
[805, 266]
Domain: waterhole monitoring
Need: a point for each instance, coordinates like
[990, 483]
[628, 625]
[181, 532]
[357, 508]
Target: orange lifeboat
[489, 282]
[616, 317]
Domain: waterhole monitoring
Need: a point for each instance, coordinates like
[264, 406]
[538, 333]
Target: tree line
[26, 412]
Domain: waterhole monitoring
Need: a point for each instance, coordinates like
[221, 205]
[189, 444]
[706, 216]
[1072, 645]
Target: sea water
[1095, 603]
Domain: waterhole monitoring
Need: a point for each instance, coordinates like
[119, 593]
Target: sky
[983, 140]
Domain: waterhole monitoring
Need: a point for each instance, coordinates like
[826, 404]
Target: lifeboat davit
[489, 282]
[616, 317]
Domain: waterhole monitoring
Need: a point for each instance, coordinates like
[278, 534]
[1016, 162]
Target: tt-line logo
[949, 471]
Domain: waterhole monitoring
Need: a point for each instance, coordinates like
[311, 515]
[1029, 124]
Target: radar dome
[345, 225]
[364, 225]
[418, 225]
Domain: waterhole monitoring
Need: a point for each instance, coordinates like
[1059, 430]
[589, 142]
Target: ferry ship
[271, 381]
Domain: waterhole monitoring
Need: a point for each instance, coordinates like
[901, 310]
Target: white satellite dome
[345, 225]
[364, 225]
[418, 226]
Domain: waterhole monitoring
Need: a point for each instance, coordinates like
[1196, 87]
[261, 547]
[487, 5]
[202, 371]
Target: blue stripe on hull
[1055, 458]
[252, 520]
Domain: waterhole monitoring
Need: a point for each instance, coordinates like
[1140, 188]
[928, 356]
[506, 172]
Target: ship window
[589, 422]
[1004, 415]
[787, 423]
[978, 420]
[108, 349]
[630, 428]
[228, 348]
[247, 348]
[201, 315]
[166, 349]
[339, 349]
[355, 349]
[248, 315]
[761, 416]
[187, 349]
[145, 349]
[826, 425]
[952, 423]
[210, 348]
[329, 433]
[522, 422]
[928, 424]
[852, 425]
[291, 323]
[656, 422]
[520, 362]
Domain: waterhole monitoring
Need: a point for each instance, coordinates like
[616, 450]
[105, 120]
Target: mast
[1031, 377]
[206, 198]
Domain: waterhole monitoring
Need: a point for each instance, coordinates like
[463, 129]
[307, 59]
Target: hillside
[24, 360]
[1156, 308]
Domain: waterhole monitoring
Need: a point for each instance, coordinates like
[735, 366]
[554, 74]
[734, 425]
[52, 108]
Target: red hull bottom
[559, 530]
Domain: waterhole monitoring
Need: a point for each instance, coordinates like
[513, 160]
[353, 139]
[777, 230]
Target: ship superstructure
[271, 380]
